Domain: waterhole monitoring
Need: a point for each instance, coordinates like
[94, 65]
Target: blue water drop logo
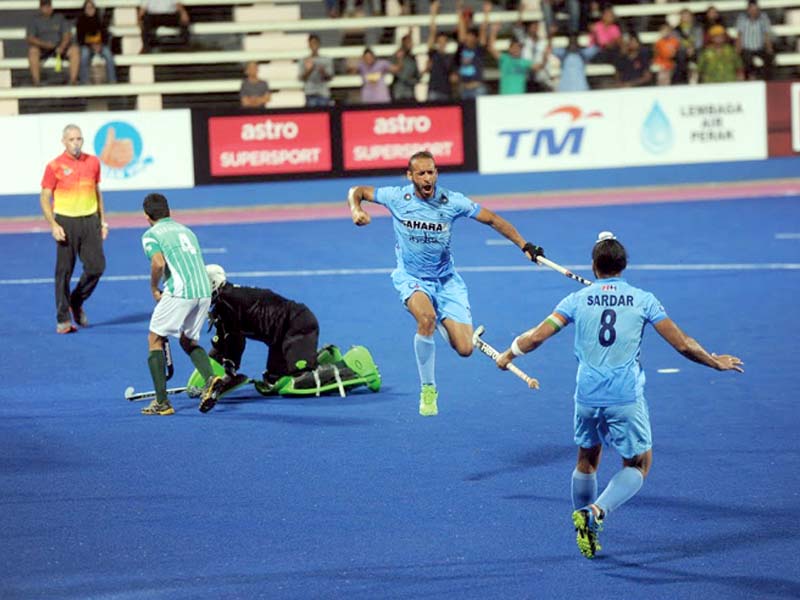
[656, 132]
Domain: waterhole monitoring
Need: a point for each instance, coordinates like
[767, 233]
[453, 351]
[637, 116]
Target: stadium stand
[228, 33]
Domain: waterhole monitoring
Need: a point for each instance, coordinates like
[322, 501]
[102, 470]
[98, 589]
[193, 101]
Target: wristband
[104, 225]
[515, 349]
[351, 198]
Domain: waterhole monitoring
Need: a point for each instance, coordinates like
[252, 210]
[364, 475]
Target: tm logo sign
[549, 141]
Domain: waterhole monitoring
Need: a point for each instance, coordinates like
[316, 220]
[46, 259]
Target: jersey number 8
[607, 334]
[186, 244]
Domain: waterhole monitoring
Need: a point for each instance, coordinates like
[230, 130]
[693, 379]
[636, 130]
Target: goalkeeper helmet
[216, 276]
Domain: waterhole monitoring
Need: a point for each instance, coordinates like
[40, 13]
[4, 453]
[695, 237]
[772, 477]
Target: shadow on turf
[537, 457]
[124, 320]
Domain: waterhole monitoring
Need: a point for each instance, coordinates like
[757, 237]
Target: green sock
[158, 366]
[202, 363]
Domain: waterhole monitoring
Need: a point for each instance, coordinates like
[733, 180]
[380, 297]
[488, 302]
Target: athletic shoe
[218, 387]
[587, 529]
[427, 401]
[66, 327]
[158, 408]
[80, 316]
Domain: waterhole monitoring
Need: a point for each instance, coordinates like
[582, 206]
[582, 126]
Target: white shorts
[175, 316]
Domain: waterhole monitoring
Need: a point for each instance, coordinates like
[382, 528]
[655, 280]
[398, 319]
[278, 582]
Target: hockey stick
[493, 354]
[546, 262]
[168, 359]
[132, 396]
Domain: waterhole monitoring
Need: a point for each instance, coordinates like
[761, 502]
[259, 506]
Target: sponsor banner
[269, 144]
[386, 138]
[783, 118]
[619, 128]
[795, 92]
[137, 150]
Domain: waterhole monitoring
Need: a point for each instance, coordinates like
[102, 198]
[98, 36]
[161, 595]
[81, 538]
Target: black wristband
[533, 250]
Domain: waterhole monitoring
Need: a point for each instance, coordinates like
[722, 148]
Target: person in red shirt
[72, 204]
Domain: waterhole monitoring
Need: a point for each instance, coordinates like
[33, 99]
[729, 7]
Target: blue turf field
[361, 497]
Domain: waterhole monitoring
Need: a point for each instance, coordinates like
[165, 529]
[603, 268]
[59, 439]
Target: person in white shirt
[157, 13]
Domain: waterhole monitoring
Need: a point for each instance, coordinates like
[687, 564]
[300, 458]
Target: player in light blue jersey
[610, 316]
[426, 279]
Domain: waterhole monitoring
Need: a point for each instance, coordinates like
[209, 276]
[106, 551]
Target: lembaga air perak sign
[620, 128]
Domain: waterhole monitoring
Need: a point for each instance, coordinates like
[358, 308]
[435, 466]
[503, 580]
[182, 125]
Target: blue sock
[584, 489]
[425, 349]
[622, 487]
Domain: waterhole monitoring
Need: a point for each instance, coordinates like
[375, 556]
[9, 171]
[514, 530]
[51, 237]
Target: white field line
[462, 269]
[787, 236]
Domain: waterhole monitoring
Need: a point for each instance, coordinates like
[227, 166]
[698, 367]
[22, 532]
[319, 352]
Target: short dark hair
[156, 206]
[313, 36]
[609, 257]
[420, 154]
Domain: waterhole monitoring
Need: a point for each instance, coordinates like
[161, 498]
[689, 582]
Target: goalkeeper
[291, 332]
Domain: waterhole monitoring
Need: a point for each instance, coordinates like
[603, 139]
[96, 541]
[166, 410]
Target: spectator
[48, 34]
[666, 49]
[754, 39]
[710, 18]
[157, 13]
[315, 72]
[255, 92]
[633, 64]
[719, 62]
[440, 64]
[537, 51]
[690, 36]
[573, 65]
[93, 41]
[607, 36]
[471, 55]
[514, 69]
[406, 71]
[549, 8]
[374, 89]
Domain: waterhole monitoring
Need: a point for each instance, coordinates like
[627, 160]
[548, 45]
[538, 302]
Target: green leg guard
[196, 381]
[267, 389]
[329, 355]
[360, 360]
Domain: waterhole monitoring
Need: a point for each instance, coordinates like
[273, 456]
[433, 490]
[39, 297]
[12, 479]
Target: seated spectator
[254, 92]
[471, 56]
[162, 13]
[48, 34]
[665, 50]
[633, 64]
[607, 36]
[440, 64]
[93, 41]
[573, 65]
[719, 62]
[549, 8]
[690, 36]
[537, 51]
[374, 89]
[406, 72]
[754, 39]
[514, 69]
[711, 17]
[315, 72]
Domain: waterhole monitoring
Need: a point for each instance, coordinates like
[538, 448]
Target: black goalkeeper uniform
[288, 328]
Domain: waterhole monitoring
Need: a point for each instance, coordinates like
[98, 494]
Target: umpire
[73, 206]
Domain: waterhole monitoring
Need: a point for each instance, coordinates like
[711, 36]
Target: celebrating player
[291, 332]
[429, 286]
[174, 254]
[609, 318]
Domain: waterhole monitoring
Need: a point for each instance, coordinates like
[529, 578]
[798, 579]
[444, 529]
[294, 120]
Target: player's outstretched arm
[508, 231]
[531, 340]
[692, 349]
[355, 196]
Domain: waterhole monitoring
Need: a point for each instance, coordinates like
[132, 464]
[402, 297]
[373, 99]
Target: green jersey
[185, 274]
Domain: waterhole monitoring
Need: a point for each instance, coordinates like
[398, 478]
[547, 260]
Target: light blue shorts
[447, 294]
[624, 427]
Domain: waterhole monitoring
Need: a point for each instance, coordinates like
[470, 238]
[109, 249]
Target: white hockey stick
[132, 396]
[493, 354]
[546, 262]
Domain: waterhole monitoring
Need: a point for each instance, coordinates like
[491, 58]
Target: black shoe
[217, 388]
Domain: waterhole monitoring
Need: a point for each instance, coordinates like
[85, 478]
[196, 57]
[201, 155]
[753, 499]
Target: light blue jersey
[422, 228]
[609, 317]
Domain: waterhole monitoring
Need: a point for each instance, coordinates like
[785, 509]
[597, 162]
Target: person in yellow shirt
[72, 204]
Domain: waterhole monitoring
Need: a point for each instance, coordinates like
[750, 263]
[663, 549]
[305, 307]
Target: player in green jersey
[182, 303]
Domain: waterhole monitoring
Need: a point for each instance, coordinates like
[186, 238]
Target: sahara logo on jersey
[550, 141]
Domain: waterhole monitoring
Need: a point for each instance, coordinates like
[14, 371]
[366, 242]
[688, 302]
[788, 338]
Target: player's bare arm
[46, 200]
[692, 349]
[508, 231]
[157, 266]
[101, 212]
[531, 339]
[355, 196]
